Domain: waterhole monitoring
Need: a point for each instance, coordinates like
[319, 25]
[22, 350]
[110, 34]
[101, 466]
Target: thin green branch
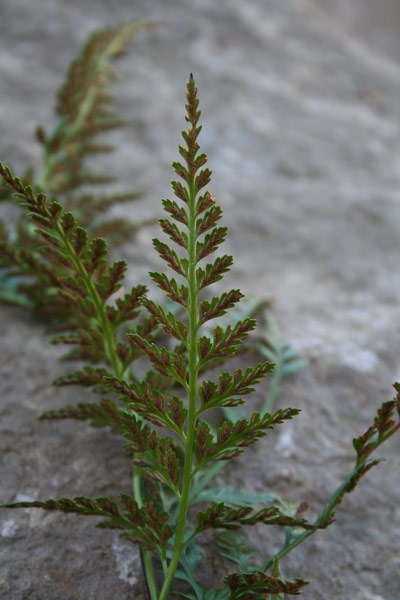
[293, 540]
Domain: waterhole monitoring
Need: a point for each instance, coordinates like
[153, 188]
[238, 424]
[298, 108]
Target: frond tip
[383, 427]
[84, 112]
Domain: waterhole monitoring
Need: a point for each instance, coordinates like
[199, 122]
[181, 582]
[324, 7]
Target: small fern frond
[150, 403]
[256, 586]
[83, 113]
[219, 516]
[213, 395]
[86, 288]
[145, 525]
[83, 110]
[155, 456]
[102, 414]
[233, 438]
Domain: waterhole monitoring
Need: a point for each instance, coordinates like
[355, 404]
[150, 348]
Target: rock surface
[301, 126]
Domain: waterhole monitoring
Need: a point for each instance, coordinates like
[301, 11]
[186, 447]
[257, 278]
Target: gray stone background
[300, 103]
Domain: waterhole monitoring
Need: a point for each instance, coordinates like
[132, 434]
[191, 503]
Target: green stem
[200, 485]
[137, 492]
[164, 565]
[150, 575]
[192, 408]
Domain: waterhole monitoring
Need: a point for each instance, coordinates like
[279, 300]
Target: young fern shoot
[199, 214]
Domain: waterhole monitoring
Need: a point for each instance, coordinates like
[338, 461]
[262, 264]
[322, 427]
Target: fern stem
[324, 515]
[150, 575]
[192, 404]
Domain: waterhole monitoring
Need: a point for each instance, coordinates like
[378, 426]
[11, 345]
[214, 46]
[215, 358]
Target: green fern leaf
[102, 414]
[145, 526]
[83, 111]
[233, 438]
[255, 586]
[155, 456]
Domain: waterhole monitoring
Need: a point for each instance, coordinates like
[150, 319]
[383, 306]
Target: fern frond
[87, 289]
[102, 414]
[199, 214]
[145, 526]
[153, 455]
[256, 586]
[223, 394]
[150, 403]
[214, 272]
[219, 305]
[175, 292]
[83, 111]
[220, 516]
[165, 362]
[233, 438]
[224, 342]
[87, 377]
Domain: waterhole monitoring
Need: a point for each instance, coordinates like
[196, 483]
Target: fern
[162, 416]
[83, 111]
[83, 285]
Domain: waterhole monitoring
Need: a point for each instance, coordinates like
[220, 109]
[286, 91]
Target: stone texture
[301, 125]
